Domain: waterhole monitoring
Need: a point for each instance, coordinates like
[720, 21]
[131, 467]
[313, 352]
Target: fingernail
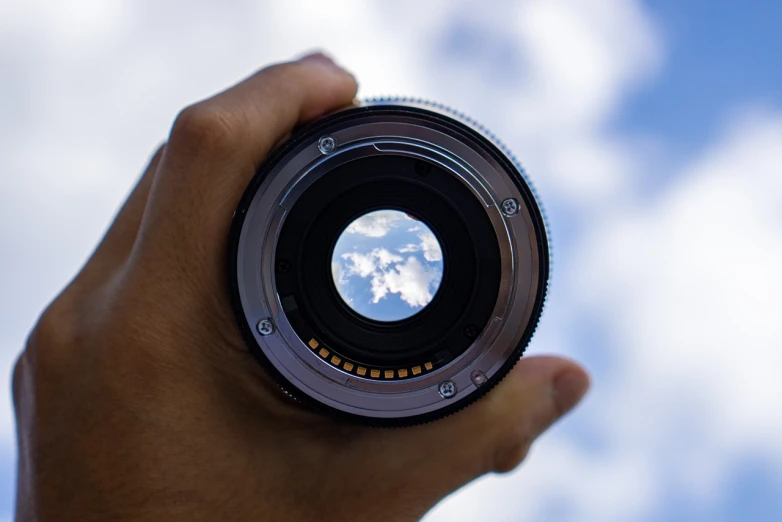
[569, 388]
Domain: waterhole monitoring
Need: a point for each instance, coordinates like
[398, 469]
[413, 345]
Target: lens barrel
[437, 167]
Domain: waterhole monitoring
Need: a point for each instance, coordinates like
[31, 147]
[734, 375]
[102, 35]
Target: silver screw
[478, 377]
[265, 327]
[510, 207]
[326, 145]
[447, 389]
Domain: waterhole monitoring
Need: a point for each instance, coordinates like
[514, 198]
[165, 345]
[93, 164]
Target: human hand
[137, 399]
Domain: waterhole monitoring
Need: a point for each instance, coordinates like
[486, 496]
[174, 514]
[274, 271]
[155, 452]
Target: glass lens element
[387, 265]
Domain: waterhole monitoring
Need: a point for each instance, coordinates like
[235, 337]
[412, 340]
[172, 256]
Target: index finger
[217, 145]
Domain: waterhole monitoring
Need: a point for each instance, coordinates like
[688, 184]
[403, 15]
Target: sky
[386, 265]
[652, 131]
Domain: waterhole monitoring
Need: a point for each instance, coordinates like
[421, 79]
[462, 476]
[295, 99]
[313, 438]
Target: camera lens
[389, 263]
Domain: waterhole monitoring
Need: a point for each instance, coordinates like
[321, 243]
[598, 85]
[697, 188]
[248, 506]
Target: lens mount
[433, 165]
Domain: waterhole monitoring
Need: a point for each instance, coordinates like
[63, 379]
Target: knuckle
[53, 336]
[286, 79]
[204, 126]
[283, 69]
[18, 378]
[52, 328]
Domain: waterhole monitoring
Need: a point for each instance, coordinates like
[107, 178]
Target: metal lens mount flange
[423, 159]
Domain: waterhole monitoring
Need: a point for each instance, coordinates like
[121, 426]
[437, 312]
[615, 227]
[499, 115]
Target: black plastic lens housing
[427, 162]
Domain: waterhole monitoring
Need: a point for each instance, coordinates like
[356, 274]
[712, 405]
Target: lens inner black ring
[468, 291]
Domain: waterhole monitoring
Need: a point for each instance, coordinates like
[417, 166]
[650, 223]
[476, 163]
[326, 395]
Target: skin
[136, 397]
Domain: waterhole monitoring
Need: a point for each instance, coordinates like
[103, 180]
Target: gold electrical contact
[362, 371]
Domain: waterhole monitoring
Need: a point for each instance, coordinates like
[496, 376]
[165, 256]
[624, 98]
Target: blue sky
[718, 54]
[387, 266]
[651, 129]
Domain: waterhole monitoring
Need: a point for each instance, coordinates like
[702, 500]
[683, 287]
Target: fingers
[245, 121]
[118, 241]
[216, 146]
[494, 434]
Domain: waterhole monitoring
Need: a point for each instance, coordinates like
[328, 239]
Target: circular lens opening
[387, 265]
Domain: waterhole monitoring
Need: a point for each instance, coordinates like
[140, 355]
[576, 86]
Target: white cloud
[384, 257]
[409, 278]
[688, 286]
[97, 117]
[430, 246]
[376, 224]
[713, 246]
[693, 289]
[591, 487]
[337, 273]
[341, 282]
[557, 71]
[361, 265]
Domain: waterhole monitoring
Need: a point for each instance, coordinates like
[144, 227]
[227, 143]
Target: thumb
[495, 434]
